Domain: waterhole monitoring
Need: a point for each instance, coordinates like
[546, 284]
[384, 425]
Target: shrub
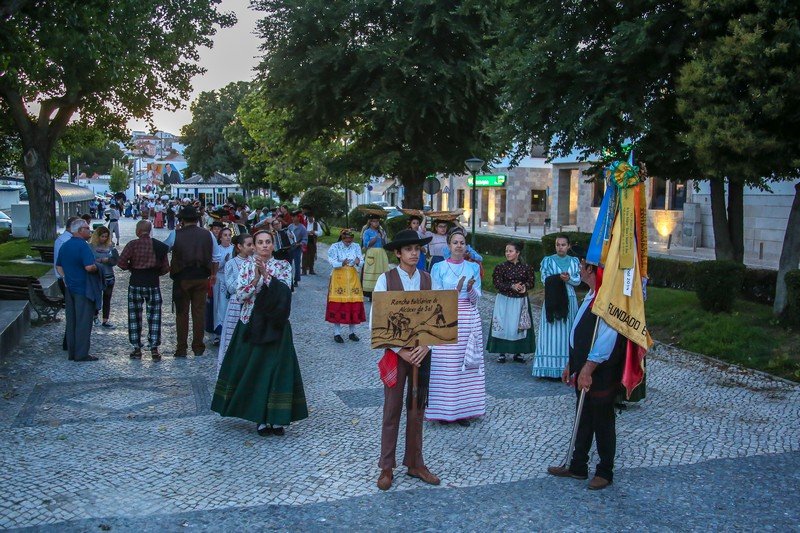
[532, 251]
[358, 218]
[759, 285]
[236, 198]
[324, 202]
[394, 225]
[791, 315]
[575, 237]
[5, 235]
[260, 202]
[670, 273]
[717, 283]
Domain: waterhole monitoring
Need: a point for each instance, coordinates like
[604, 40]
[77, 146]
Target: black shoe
[180, 355]
[518, 358]
[278, 430]
[463, 423]
[501, 358]
[88, 358]
[339, 339]
[136, 353]
[265, 431]
[353, 337]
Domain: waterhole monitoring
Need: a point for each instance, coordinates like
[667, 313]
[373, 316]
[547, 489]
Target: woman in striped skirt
[243, 244]
[458, 393]
[552, 345]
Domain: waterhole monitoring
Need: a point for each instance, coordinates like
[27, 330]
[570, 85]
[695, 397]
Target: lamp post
[473, 165]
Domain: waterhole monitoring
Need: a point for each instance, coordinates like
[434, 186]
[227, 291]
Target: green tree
[738, 95]
[120, 179]
[107, 61]
[207, 149]
[406, 82]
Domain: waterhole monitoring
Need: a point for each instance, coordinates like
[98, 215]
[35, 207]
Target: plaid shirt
[139, 255]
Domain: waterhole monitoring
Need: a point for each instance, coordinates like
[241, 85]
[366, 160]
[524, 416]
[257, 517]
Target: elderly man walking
[190, 269]
[83, 290]
[146, 259]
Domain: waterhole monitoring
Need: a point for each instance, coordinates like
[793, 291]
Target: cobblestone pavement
[132, 445]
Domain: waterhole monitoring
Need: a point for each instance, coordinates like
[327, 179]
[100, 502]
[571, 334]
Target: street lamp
[474, 165]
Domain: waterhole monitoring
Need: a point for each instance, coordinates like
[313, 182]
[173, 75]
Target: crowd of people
[233, 275]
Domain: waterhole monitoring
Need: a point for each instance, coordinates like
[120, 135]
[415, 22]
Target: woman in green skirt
[511, 330]
[260, 378]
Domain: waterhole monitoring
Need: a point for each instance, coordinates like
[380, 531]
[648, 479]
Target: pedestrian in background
[113, 220]
[300, 241]
[314, 230]
[190, 269]
[243, 245]
[83, 294]
[222, 254]
[106, 257]
[146, 259]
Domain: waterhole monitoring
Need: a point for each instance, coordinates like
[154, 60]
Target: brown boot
[156, 354]
[423, 474]
[561, 471]
[598, 483]
[385, 479]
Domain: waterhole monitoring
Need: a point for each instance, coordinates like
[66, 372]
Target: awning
[70, 193]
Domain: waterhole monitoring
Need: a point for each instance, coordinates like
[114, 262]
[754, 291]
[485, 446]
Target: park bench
[30, 288]
[45, 251]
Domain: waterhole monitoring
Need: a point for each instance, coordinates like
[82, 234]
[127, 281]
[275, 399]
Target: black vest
[607, 376]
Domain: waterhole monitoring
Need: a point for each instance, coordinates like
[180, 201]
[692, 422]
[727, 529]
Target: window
[538, 200]
[658, 194]
[677, 195]
[598, 191]
[460, 198]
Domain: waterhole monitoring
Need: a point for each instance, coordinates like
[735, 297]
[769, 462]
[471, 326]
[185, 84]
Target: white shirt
[338, 252]
[310, 228]
[410, 283]
[606, 336]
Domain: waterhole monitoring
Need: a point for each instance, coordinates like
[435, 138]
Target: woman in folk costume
[260, 377]
[416, 223]
[560, 275]
[223, 253]
[158, 221]
[375, 260]
[511, 330]
[345, 298]
[243, 245]
[438, 244]
[458, 384]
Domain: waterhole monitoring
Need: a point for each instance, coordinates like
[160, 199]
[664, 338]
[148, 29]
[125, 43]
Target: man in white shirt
[314, 230]
[397, 366]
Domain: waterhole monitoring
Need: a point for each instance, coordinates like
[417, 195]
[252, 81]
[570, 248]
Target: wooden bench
[45, 251]
[30, 288]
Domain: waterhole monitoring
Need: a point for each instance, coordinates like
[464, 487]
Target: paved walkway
[132, 445]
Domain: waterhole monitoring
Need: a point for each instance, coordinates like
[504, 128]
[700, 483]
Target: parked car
[5, 221]
[394, 212]
[384, 204]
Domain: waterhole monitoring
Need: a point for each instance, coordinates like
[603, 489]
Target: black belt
[114, 220]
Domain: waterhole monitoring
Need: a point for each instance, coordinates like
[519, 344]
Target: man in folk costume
[397, 365]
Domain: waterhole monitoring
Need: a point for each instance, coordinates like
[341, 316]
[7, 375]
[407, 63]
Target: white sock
[352, 328]
[337, 329]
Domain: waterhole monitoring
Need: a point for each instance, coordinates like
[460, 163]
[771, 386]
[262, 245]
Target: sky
[232, 58]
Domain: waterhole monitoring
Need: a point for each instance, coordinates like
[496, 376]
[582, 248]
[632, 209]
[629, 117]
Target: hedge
[759, 285]
[575, 237]
[5, 234]
[532, 252]
[324, 202]
[716, 283]
[791, 314]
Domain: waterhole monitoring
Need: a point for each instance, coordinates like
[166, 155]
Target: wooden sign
[408, 318]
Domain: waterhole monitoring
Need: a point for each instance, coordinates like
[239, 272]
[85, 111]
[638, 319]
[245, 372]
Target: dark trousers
[598, 423]
[297, 259]
[392, 409]
[80, 317]
[107, 293]
[64, 294]
[310, 255]
[138, 298]
[189, 295]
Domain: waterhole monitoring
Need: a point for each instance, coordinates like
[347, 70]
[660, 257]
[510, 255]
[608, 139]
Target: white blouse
[338, 252]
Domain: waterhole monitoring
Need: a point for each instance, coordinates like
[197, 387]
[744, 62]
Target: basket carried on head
[372, 211]
[447, 216]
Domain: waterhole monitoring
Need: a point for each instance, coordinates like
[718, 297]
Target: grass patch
[749, 336]
[17, 249]
[334, 236]
[10, 268]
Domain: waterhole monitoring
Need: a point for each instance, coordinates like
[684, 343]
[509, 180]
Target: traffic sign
[431, 185]
[488, 180]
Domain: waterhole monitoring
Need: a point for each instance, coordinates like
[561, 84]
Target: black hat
[188, 212]
[405, 238]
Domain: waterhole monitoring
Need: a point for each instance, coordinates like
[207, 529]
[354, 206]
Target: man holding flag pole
[609, 337]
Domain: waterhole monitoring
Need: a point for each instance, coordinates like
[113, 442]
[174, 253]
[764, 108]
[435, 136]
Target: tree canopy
[407, 83]
[107, 61]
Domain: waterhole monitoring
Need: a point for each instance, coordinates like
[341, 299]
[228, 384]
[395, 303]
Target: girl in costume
[260, 377]
[560, 275]
[511, 328]
[375, 260]
[243, 246]
[416, 223]
[106, 257]
[223, 253]
[345, 297]
[438, 244]
[458, 393]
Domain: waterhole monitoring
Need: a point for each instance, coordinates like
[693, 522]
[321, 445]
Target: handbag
[473, 355]
[524, 319]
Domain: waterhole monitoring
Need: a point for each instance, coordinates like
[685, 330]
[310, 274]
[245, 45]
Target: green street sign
[493, 180]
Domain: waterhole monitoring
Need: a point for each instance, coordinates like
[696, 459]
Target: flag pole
[579, 410]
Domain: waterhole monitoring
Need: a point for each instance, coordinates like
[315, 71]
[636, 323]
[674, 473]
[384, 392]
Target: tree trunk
[723, 246]
[412, 194]
[790, 253]
[736, 219]
[41, 192]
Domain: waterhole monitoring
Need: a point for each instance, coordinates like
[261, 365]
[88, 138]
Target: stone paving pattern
[131, 445]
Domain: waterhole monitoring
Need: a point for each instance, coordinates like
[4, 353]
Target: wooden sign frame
[410, 318]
